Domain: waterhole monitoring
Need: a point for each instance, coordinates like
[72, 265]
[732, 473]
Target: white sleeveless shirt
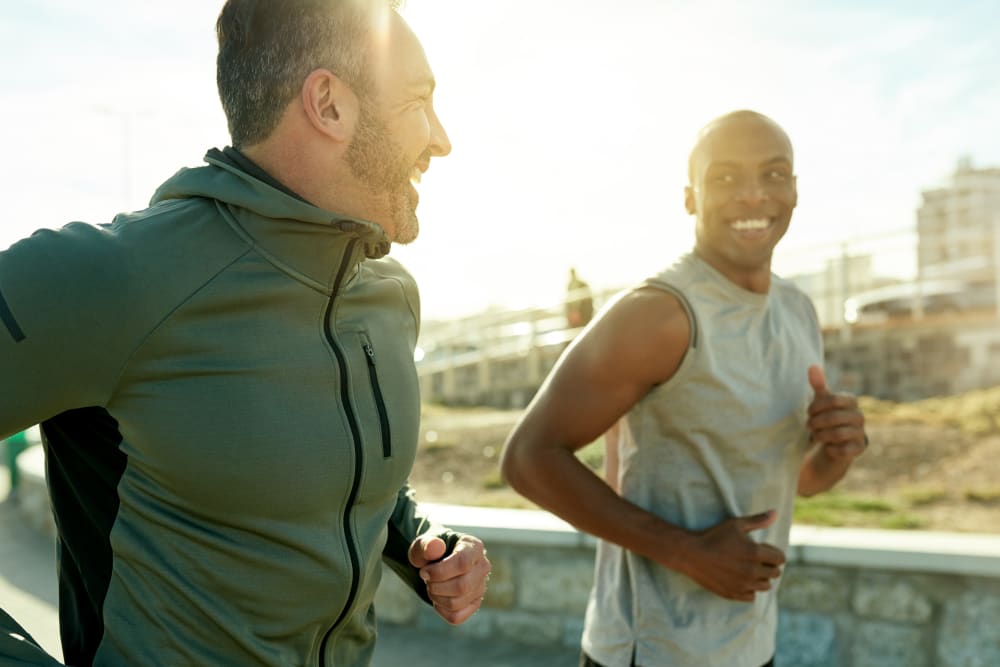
[723, 438]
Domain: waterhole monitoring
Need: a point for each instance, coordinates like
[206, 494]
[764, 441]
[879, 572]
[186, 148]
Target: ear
[689, 205]
[795, 191]
[330, 105]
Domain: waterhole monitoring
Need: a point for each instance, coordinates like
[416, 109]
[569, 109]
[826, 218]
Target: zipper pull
[370, 351]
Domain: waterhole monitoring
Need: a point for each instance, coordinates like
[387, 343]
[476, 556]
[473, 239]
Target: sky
[570, 120]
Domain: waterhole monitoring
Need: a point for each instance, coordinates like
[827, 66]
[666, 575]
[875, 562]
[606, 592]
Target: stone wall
[866, 618]
[849, 598]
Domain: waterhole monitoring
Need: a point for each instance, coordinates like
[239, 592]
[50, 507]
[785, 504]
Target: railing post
[844, 293]
[996, 263]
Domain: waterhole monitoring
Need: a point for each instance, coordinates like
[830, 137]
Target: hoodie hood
[260, 207]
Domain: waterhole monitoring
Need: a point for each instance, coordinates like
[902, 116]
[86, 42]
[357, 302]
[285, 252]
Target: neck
[751, 278]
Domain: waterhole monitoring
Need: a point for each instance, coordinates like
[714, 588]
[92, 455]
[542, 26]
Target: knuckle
[849, 433]
[446, 605]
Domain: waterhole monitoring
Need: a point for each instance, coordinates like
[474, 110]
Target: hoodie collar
[236, 158]
[303, 240]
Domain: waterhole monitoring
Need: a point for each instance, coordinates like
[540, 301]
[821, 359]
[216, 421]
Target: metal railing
[501, 357]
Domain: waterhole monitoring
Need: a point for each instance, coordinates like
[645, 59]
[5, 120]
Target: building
[840, 277]
[957, 227]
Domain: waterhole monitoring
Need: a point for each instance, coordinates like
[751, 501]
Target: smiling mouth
[415, 175]
[750, 224]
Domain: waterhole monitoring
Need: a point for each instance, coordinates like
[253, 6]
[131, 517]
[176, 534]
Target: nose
[440, 145]
[752, 192]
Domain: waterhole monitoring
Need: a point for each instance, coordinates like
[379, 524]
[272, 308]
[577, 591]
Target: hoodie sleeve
[405, 525]
[62, 342]
[18, 648]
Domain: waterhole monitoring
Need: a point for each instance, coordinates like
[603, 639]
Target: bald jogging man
[225, 380]
[711, 374]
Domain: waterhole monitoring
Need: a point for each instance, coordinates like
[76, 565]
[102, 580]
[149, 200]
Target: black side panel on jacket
[84, 467]
[7, 318]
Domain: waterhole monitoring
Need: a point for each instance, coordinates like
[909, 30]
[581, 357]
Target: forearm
[558, 482]
[820, 472]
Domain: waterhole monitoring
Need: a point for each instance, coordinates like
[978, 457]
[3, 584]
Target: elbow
[806, 492]
[510, 468]
[517, 467]
[808, 485]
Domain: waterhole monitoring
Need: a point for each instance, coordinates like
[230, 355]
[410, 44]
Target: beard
[378, 162]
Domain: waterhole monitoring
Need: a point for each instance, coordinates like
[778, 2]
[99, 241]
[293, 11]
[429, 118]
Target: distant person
[714, 368]
[225, 380]
[579, 301]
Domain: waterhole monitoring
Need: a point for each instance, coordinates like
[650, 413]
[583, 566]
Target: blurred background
[571, 123]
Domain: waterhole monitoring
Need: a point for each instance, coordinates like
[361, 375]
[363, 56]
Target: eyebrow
[425, 83]
[730, 164]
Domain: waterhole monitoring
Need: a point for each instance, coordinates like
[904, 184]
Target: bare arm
[637, 343]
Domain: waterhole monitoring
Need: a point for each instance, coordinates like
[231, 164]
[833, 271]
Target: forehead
[744, 141]
[399, 58]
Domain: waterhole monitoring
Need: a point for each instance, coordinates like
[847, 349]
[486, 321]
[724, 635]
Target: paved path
[28, 592]
[28, 588]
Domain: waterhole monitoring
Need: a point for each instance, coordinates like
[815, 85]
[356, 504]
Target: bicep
[635, 345]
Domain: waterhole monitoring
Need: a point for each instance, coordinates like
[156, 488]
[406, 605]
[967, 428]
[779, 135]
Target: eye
[722, 179]
[777, 176]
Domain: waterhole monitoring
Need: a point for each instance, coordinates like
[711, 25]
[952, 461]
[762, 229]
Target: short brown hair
[268, 47]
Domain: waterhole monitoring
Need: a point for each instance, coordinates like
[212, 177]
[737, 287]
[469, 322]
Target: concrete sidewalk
[28, 592]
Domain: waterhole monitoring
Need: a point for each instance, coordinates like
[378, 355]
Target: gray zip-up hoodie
[231, 411]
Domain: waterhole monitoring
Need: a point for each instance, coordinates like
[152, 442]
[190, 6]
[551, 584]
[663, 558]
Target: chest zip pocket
[383, 416]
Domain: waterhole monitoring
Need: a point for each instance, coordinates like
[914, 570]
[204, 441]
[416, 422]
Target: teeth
[743, 225]
[416, 175]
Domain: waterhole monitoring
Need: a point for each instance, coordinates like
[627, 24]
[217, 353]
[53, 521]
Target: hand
[835, 421]
[456, 585]
[728, 563]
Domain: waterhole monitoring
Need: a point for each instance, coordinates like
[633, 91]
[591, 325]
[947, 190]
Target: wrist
[679, 550]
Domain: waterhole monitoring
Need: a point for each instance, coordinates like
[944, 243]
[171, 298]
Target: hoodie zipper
[352, 421]
[383, 416]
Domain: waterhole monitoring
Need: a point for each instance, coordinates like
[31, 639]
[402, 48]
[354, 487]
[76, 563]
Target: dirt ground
[929, 466]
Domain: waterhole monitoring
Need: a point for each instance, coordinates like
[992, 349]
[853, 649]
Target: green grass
[983, 495]
[975, 413]
[845, 509]
[902, 522]
[923, 496]
[493, 480]
[841, 509]
[432, 440]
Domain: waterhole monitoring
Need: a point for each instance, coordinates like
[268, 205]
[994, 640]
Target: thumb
[817, 380]
[426, 549]
[757, 521]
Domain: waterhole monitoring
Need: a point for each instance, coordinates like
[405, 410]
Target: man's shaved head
[741, 115]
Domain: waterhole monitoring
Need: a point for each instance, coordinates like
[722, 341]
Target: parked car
[934, 296]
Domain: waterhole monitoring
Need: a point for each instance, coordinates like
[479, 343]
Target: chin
[407, 233]
[407, 227]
